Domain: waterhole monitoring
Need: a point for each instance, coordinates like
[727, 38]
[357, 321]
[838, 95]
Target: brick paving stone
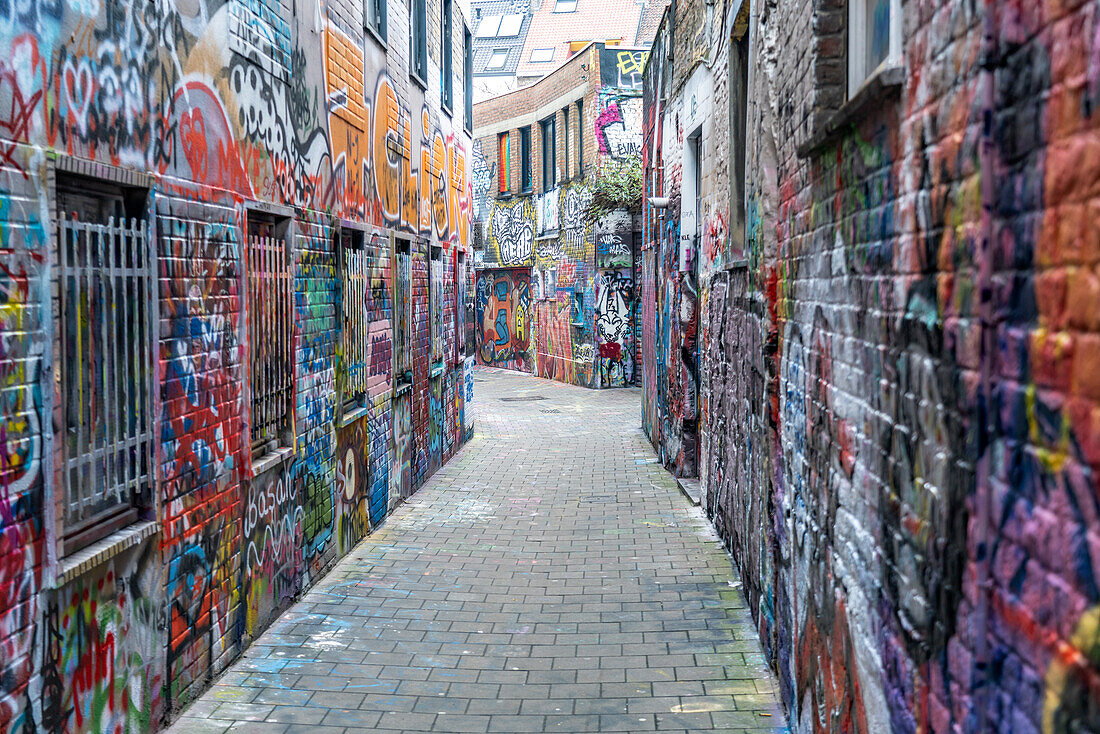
[550, 577]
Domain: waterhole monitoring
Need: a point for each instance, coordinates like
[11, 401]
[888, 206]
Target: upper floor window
[565, 138]
[374, 17]
[500, 26]
[446, 46]
[468, 78]
[565, 6]
[418, 41]
[580, 137]
[104, 290]
[549, 153]
[505, 142]
[498, 59]
[874, 38]
[542, 55]
[525, 158]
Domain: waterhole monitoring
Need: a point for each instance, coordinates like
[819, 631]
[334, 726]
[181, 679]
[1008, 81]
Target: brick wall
[120, 635]
[897, 411]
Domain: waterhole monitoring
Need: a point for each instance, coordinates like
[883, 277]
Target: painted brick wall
[898, 403]
[206, 120]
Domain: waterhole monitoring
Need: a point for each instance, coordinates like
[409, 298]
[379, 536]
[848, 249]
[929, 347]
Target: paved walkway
[549, 578]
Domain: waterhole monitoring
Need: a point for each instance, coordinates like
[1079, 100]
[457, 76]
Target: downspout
[987, 165]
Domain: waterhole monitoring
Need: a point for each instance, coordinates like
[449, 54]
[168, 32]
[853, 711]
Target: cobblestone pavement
[551, 577]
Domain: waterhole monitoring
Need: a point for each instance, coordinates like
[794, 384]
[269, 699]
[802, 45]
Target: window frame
[566, 141]
[860, 37]
[418, 43]
[525, 178]
[468, 79]
[351, 239]
[559, 3]
[504, 150]
[379, 27]
[549, 132]
[446, 43]
[493, 55]
[580, 138]
[134, 242]
[280, 226]
[553, 52]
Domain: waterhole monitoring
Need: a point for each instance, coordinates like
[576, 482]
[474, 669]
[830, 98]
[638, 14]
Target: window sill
[353, 415]
[402, 387]
[883, 84]
[447, 109]
[419, 82]
[436, 371]
[377, 37]
[271, 459]
[101, 551]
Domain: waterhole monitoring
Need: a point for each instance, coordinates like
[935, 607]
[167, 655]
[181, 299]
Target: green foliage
[616, 185]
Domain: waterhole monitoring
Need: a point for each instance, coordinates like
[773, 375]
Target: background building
[554, 287]
[869, 320]
[521, 41]
[234, 242]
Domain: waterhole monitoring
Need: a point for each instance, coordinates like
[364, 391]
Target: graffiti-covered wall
[579, 266]
[896, 324]
[216, 222]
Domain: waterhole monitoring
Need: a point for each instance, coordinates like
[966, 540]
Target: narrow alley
[551, 577]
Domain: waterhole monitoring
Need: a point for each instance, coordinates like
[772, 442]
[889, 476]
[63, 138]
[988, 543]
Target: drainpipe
[988, 334]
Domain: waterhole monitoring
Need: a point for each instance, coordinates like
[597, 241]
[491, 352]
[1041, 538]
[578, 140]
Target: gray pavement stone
[543, 580]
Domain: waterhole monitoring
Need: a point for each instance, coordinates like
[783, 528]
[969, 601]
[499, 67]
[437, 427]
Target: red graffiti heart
[78, 93]
[193, 136]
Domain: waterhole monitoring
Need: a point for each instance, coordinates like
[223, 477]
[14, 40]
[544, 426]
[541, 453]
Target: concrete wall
[581, 271]
[219, 111]
[896, 406]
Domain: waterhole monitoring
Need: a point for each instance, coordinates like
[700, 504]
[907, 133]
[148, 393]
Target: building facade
[869, 306]
[554, 286]
[234, 240]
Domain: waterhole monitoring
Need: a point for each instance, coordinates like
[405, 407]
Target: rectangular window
[468, 79]
[355, 294]
[270, 331]
[446, 47]
[542, 55]
[505, 157]
[565, 140]
[525, 158]
[418, 41]
[374, 17]
[497, 59]
[696, 144]
[549, 153]
[402, 314]
[565, 6]
[580, 137]
[104, 287]
[435, 307]
[739, 85]
[489, 26]
[874, 37]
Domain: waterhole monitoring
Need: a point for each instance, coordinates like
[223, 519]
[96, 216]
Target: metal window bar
[271, 336]
[356, 294]
[106, 285]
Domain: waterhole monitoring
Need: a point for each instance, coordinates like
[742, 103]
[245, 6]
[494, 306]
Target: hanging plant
[616, 185]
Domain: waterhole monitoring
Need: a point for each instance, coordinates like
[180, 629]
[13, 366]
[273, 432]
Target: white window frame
[860, 28]
[541, 52]
[565, 6]
[503, 52]
[486, 25]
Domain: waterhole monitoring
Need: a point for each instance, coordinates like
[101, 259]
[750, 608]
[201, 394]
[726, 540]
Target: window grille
[355, 296]
[271, 337]
[402, 311]
[105, 289]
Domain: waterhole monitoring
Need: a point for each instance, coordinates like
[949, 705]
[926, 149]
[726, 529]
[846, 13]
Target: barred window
[435, 306]
[354, 322]
[105, 310]
[402, 313]
[270, 332]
